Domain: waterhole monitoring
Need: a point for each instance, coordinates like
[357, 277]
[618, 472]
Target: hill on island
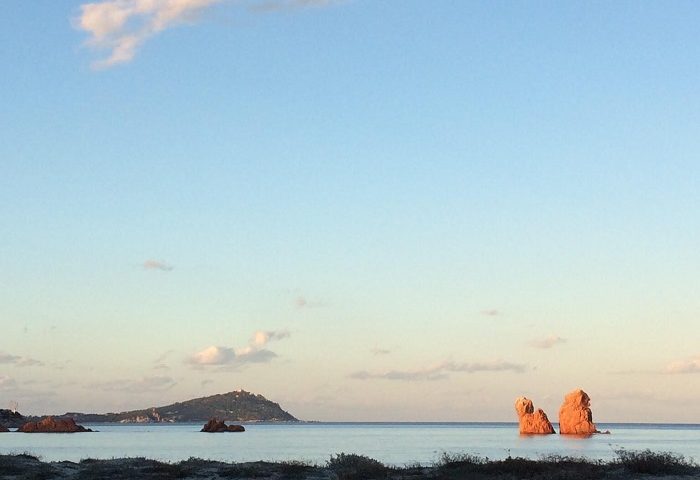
[238, 406]
[10, 418]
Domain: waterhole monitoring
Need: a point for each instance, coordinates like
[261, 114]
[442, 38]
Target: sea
[391, 443]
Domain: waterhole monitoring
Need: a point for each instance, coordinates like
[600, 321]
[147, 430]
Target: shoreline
[662, 465]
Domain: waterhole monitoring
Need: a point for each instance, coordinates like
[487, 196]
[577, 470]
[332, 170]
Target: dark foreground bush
[452, 466]
[350, 466]
[295, 469]
[655, 463]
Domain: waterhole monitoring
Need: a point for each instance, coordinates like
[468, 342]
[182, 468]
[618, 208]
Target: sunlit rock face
[531, 421]
[575, 417]
[52, 425]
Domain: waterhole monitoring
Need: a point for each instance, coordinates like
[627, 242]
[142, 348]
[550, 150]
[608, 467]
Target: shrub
[350, 466]
[294, 468]
[646, 461]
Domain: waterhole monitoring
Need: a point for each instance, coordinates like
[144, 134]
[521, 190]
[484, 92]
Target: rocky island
[52, 425]
[236, 406]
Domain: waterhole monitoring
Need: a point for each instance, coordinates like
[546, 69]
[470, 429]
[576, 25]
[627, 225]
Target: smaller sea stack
[575, 417]
[219, 426]
[531, 421]
[51, 425]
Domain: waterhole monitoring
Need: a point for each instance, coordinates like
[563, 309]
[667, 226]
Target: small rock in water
[218, 426]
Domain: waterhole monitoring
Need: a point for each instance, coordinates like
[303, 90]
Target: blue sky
[424, 209]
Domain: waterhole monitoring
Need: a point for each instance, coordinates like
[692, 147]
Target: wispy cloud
[157, 265]
[380, 351]
[302, 303]
[440, 371]
[490, 312]
[547, 342]
[143, 385]
[254, 352]
[276, 5]
[7, 382]
[8, 359]
[121, 27]
[688, 365]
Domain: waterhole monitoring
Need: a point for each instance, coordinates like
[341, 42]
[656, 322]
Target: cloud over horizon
[547, 342]
[440, 371]
[254, 352]
[688, 365]
[121, 27]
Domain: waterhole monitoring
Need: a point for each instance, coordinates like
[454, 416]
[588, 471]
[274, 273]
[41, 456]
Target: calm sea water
[391, 443]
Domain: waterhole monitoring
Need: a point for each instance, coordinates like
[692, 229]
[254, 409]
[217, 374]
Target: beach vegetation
[351, 466]
[655, 463]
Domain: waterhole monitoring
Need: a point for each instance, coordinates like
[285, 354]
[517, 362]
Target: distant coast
[236, 406]
[628, 464]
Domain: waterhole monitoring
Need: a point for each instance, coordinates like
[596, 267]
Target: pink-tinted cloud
[547, 342]
[254, 352]
[688, 365]
[121, 27]
[440, 371]
[157, 265]
[380, 351]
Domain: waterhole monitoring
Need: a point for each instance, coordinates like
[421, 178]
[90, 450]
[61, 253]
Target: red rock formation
[575, 417]
[217, 426]
[51, 425]
[3, 429]
[531, 421]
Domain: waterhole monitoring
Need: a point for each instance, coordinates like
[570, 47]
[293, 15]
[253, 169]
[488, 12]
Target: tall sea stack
[575, 417]
[531, 421]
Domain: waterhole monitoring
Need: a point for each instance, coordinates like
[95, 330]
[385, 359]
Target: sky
[399, 210]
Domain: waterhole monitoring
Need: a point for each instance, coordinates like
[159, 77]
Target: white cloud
[688, 365]
[440, 371]
[214, 356]
[254, 352]
[157, 265]
[121, 27]
[547, 342]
